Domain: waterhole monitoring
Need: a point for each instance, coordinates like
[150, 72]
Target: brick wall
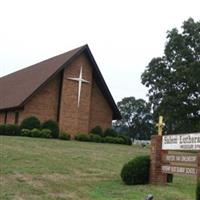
[101, 113]
[2, 117]
[10, 117]
[93, 109]
[156, 175]
[75, 119]
[44, 103]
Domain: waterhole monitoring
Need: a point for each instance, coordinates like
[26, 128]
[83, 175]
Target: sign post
[156, 174]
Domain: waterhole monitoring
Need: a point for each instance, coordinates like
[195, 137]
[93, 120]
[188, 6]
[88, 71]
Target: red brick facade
[58, 100]
[44, 103]
[73, 118]
[2, 117]
[101, 113]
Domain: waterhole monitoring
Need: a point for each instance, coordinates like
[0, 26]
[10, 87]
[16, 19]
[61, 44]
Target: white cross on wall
[80, 80]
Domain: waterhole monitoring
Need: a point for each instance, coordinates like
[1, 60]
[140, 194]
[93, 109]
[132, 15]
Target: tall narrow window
[5, 117]
[16, 117]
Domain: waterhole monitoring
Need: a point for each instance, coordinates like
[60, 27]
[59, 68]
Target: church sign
[181, 162]
[174, 154]
[181, 142]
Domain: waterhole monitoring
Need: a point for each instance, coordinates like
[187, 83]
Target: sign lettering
[181, 142]
[185, 158]
[176, 169]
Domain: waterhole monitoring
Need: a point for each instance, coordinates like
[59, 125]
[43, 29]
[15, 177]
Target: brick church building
[68, 88]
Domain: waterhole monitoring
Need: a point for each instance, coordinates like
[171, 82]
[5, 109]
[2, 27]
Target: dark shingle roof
[17, 87]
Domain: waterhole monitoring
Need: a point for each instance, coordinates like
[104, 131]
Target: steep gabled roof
[19, 86]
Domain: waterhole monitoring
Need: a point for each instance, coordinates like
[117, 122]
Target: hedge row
[99, 139]
[32, 122]
[108, 132]
[43, 133]
[9, 129]
[31, 127]
[14, 130]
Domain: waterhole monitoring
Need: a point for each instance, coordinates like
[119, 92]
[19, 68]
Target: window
[5, 117]
[16, 117]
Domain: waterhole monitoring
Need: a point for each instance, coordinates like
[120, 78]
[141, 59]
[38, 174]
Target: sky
[123, 35]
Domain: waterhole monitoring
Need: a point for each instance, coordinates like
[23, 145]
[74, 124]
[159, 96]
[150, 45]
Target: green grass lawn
[32, 168]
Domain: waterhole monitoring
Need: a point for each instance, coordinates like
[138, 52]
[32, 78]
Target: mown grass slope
[32, 168]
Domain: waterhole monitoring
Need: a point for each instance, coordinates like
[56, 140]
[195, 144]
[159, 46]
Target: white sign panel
[181, 142]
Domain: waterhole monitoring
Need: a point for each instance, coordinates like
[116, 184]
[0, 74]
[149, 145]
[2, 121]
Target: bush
[114, 140]
[82, 137]
[30, 123]
[53, 126]
[46, 133]
[2, 129]
[109, 139]
[119, 140]
[97, 131]
[198, 191]
[9, 129]
[136, 171]
[110, 132]
[127, 140]
[26, 132]
[35, 133]
[64, 136]
[95, 138]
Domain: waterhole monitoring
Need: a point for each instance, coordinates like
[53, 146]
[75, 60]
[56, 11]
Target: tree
[174, 80]
[136, 118]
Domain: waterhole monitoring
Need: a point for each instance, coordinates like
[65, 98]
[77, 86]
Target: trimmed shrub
[53, 126]
[136, 171]
[64, 136]
[95, 138]
[35, 133]
[97, 131]
[198, 191]
[30, 123]
[26, 132]
[114, 140]
[119, 140]
[110, 132]
[127, 140]
[45, 133]
[109, 139]
[82, 137]
[9, 129]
